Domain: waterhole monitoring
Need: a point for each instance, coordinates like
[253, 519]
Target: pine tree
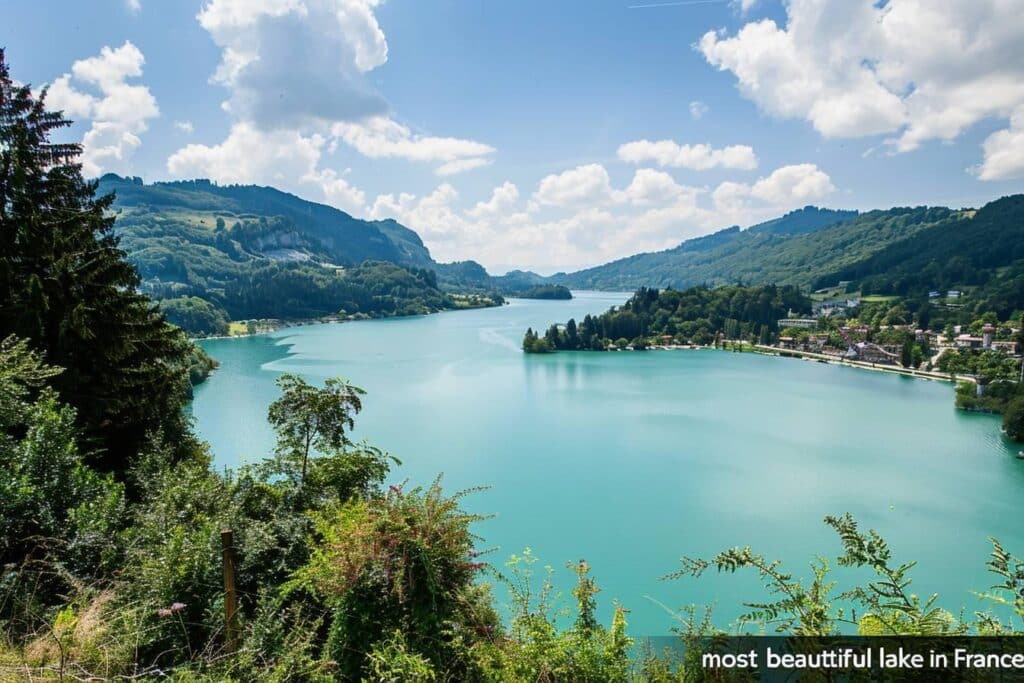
[66, 286]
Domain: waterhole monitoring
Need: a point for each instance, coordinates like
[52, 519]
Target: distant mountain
[210, 253]
[797, 248]
[909, 252]
[281, 227]
[302, 227]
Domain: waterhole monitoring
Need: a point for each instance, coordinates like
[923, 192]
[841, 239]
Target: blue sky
[546, 135]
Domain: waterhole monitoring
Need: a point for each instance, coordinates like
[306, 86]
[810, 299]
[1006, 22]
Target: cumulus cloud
[301, 66]
[785, 187]
[698, 109]
[579, 217]
[650, 186]
[916, 69]
[283, 158]
[290, 63]
[433, 216]
[118, 111]
[503, 199]
[185, 127]
[587, 184]
[1004, 151]
[380, 137]
[700, 157]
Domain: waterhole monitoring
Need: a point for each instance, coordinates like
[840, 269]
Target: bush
[403, 562]
[1013, 419]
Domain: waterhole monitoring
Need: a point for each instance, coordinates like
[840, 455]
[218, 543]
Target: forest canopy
[697, 315]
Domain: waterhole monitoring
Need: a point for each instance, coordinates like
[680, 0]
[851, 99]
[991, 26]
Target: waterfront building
[799, 323]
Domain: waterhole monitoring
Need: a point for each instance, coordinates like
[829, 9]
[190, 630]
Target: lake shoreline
[328, 320]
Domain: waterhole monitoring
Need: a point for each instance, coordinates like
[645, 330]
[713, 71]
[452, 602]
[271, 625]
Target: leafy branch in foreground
[1009, 593]
[887, 605]
[801, 610]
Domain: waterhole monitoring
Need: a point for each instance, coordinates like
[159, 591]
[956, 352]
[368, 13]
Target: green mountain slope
[800, 249]
[214, 253]
[981, 252]
[305, 227]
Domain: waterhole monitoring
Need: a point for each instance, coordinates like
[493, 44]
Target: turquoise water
[632, 460]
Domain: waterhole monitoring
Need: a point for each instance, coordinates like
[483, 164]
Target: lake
[633, 460]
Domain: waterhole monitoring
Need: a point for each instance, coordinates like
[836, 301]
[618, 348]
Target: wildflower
[177, 607]
[163, 612]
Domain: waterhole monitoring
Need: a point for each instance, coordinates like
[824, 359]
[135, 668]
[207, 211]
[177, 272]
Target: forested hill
[212, 253]
[302, 226]
[979, 252]
[769, 252]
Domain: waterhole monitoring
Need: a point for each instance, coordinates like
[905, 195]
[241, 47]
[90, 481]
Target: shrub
[402, 562]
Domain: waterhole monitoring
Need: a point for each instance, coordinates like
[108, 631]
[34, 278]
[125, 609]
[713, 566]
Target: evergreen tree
[907, 354]
[66, 287]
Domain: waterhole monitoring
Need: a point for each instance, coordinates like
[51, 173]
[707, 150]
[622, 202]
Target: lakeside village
[944, 337]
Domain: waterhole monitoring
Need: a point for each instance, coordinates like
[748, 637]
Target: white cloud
[61, 95]
[185, 127]
[1004, 151]
[785, 187]
[587, 184]
[119, 112]
[291, 63]
[134, 5]
[461, 166]
[283, 158]
[579, 218]
[432, 216]
[655, 187]
[297, 70]
[502, 200]
[698, 109]
[699, 157]
[919, 69]
[381, 137]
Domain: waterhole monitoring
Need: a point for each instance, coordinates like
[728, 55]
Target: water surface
[632, 460]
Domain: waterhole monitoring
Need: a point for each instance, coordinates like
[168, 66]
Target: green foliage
[985, 364]
[542, 292]
[391, 661]
[69, 291]
[1013, 419]
[308, 418]
[889, 608]
[534, 344]
[962, 251]
[200, 365]
[195, 315]
[696, 315]
[806, 608]
[56, 513]
[22, 370]
[539, 651]
[404, 562]
[373, 288]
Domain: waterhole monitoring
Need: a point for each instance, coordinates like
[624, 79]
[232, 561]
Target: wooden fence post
[230, 597]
